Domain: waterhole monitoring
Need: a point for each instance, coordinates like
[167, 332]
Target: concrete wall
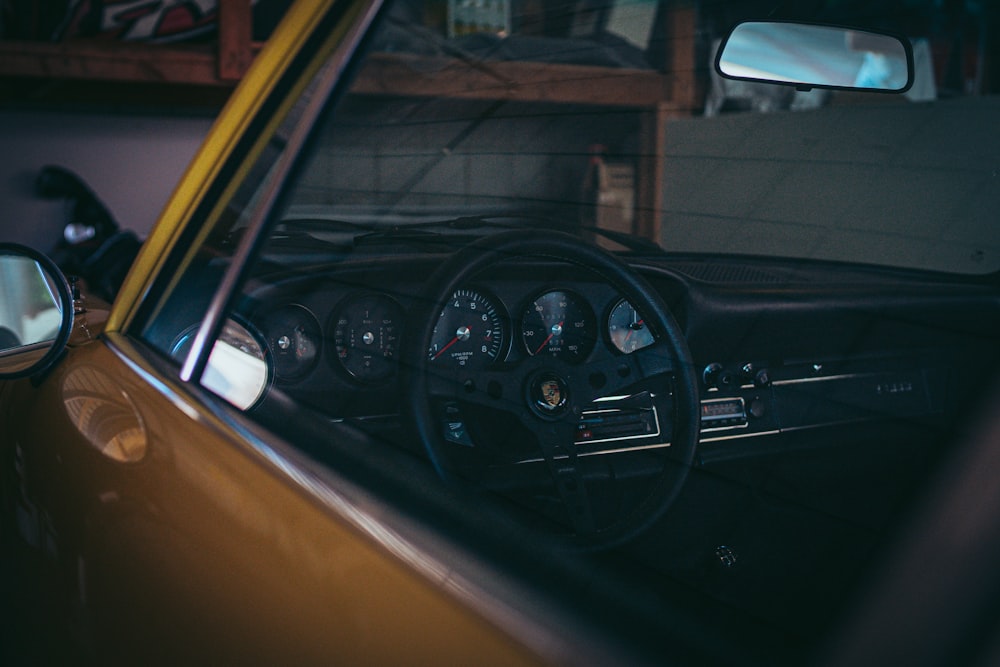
[459, 153]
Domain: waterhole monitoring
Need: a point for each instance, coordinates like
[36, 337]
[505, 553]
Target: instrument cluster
[359, 332]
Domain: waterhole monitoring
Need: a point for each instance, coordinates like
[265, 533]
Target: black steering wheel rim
[487, 251]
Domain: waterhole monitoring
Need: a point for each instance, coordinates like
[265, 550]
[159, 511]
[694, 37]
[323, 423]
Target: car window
[620, 223]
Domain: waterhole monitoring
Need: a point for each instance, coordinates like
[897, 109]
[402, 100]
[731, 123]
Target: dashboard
[333, 341]
[779, 349]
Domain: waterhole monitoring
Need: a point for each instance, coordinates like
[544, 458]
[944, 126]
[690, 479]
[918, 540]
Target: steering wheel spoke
[615, 375]
[556, 442]
[498, 389]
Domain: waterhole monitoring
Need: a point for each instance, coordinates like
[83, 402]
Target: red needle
[463, 333]
[632, 328]
[441, 351]
[545, 342]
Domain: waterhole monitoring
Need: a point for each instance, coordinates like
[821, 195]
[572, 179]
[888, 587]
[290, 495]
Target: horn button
[548, 395]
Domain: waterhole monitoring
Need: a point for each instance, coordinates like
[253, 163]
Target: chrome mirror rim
[61, 285]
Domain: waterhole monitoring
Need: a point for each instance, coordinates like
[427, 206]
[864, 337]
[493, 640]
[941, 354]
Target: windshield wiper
[521, 221]
[372, 233]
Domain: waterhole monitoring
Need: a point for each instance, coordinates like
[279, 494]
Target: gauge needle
[463, 333]
[545, 342]
[632, 328]
[442, 350]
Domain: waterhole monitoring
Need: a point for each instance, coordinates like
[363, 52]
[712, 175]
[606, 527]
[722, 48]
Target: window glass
[508, 129]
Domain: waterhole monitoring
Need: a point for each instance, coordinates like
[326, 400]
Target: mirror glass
[32, 321]
[815, 56]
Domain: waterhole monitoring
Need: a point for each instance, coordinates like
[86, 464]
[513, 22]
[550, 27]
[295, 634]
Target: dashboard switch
[711, 374]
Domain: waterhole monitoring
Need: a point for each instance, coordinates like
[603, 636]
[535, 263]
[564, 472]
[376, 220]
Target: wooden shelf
[659, 94]
[109, 62]
[403, 75]
[220, 64]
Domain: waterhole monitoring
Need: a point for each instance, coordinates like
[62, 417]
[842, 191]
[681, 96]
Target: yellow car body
[235, 563]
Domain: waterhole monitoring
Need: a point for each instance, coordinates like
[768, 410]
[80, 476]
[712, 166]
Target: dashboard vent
[735, 273]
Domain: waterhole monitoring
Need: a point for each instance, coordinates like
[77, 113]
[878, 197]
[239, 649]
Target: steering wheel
[547, 395]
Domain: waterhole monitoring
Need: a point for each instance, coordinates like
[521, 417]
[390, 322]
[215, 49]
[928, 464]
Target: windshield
[602, 120]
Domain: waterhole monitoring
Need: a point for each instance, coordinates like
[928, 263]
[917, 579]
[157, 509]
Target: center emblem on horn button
[549, 394]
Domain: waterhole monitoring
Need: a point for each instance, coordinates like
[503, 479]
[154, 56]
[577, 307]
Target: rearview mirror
[36, 311]
[816, 56]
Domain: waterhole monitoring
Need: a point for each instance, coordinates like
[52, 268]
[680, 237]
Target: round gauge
[560, 324]
[626, 328]
[366, 336]
[469, 332]
[293, 336]
[237, 368]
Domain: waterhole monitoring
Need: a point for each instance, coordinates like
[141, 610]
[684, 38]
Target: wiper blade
[371, 233]
[521, 221]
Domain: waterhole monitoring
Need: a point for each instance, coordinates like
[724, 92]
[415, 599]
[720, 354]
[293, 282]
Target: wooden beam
[682, 38]
[235, 34]
[649, 185]
[105, 61]
[402, 75]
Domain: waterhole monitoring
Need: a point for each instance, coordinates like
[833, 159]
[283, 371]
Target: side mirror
[816, 56]
[36, 312]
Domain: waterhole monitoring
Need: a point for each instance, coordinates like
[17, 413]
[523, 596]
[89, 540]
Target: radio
[719, 413]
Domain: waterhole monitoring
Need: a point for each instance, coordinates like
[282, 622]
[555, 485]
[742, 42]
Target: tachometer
[366, 336]
[560, 324]
[627, 329]
[469, 332]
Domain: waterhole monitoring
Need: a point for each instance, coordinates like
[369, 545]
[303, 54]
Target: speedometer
[469, 332]
[560, 324]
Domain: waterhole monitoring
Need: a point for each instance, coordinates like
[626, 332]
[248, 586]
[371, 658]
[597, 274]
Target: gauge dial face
[627, 329]
[366, 336]
[469, 332]
[237, 368]
[293, 336]
[560, 324]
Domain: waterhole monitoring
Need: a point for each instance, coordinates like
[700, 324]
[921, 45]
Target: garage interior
[127, 115]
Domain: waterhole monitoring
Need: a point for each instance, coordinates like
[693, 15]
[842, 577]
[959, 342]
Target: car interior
[715, 441]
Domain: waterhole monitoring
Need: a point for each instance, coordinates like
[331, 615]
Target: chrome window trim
[297, 129]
